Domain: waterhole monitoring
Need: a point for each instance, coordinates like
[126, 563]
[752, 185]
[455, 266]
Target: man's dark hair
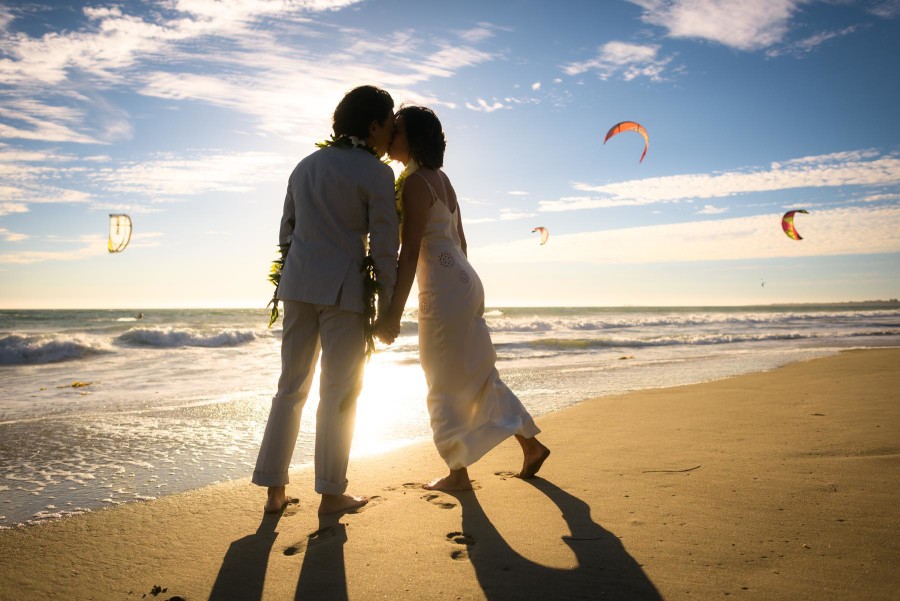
[359, 107]
[424, 135]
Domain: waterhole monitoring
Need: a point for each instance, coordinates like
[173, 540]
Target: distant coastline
[892, 303]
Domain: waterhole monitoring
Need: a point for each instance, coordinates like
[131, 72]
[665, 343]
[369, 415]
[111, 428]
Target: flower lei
[371, 287]
[411, 166]
[346, 142]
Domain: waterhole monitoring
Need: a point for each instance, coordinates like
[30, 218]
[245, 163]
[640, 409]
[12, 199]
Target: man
[336, 197]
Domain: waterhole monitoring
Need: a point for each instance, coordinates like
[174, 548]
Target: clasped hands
[387, 329]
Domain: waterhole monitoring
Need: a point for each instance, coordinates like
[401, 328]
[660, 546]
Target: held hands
[387, 329]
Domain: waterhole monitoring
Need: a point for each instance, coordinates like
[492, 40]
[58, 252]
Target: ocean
[104, 407]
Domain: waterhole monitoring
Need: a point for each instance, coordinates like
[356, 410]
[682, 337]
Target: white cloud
[756, 237]
[477, 34]
[712, 210]
[12, 236]
[483, 107]
[860, 168]
[10, 208]
[512, 214]
[629, 61]
[241, 55]
[171, 175]
[536, 85]
[90, 246]
[517, 193]
[807, 45]
[741, 24]
[888, 9]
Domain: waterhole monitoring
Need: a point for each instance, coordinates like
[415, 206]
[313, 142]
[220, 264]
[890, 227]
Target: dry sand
[776, 485]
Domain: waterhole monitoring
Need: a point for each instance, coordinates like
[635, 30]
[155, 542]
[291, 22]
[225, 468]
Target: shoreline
[793, 497]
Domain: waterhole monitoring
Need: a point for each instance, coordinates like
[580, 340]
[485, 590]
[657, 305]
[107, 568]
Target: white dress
[471, 409]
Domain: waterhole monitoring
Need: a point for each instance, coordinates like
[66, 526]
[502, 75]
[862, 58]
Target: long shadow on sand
[323, 575]
[605, 569]
[243, 571]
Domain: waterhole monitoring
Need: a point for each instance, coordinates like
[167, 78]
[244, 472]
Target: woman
[471, 409]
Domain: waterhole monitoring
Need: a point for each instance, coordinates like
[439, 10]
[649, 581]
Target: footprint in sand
[438, 501]
[315, 538]
[373, 501]
[461, 538]
[291, 508]
[505, 475]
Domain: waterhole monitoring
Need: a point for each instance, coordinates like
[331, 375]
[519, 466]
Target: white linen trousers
[338, 335]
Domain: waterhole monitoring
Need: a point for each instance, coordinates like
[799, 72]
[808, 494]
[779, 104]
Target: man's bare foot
[338, 503]
[535, 455]
[457, 480]
[278, 500]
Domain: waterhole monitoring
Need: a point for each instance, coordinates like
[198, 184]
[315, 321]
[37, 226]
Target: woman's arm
[416, 201]
[462, 234]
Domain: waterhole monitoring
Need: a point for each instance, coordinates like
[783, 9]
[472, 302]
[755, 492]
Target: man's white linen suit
[336, 197]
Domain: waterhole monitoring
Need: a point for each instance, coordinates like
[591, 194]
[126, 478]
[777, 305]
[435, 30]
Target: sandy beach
[774, 485]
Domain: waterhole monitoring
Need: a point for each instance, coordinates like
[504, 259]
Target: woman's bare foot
[278, 500]
[457, 480]
[534, 456]
[338, 503]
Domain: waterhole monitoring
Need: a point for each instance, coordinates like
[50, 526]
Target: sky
[189, 115]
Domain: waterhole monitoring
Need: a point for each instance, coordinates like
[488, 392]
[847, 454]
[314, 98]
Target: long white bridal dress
[471, 409]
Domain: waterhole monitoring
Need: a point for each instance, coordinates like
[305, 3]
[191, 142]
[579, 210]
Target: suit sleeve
[384, 236]
[288, 217]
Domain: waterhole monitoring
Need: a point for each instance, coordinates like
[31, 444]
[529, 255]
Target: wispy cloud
[171, 175]
[88, 246]
[12, 236]
[712, 210]
[857, 168]
[888, 9]
[9, 208]
[756, 237]
[623, 59]
[483, 106]
[811, 43]
[506, 214]
[265, 54]
[741, 24]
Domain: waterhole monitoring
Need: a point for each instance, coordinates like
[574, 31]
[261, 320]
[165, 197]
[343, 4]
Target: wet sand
[775, 485]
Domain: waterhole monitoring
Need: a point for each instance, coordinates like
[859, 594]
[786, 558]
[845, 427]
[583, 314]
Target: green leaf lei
[371, 287]
[275, 277]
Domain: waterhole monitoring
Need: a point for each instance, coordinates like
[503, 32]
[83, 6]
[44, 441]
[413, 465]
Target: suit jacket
[336, 197]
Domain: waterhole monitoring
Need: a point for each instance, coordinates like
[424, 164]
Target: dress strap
[434, 196]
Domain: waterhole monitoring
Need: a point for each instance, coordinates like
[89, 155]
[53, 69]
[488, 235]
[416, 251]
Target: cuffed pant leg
[343, 359]
[299, 354]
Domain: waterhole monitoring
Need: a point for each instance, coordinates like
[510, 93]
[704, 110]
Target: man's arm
[384, 236]
[288, 217]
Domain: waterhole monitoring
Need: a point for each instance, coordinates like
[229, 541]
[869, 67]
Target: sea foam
[34, 349]
[181, 337]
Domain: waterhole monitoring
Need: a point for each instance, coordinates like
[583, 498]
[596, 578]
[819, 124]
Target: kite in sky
[545, 233]
[119, 232]
[787, 224]
[630, 126]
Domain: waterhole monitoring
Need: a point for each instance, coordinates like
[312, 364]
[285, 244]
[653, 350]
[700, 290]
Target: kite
[545, 233]
[119, 232]
[630, 126]
[787, 224]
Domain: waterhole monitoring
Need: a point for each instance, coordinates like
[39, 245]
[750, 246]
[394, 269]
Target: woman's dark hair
[425, 136]
[359, 107]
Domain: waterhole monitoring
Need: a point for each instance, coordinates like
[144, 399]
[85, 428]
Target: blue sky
[190, 114]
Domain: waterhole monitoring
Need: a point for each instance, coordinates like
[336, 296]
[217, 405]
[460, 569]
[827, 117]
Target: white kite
[119, 232]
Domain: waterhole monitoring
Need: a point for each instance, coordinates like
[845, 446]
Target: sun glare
[391, 411]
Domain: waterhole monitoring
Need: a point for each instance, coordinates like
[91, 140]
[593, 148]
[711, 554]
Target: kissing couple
[337, 197]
